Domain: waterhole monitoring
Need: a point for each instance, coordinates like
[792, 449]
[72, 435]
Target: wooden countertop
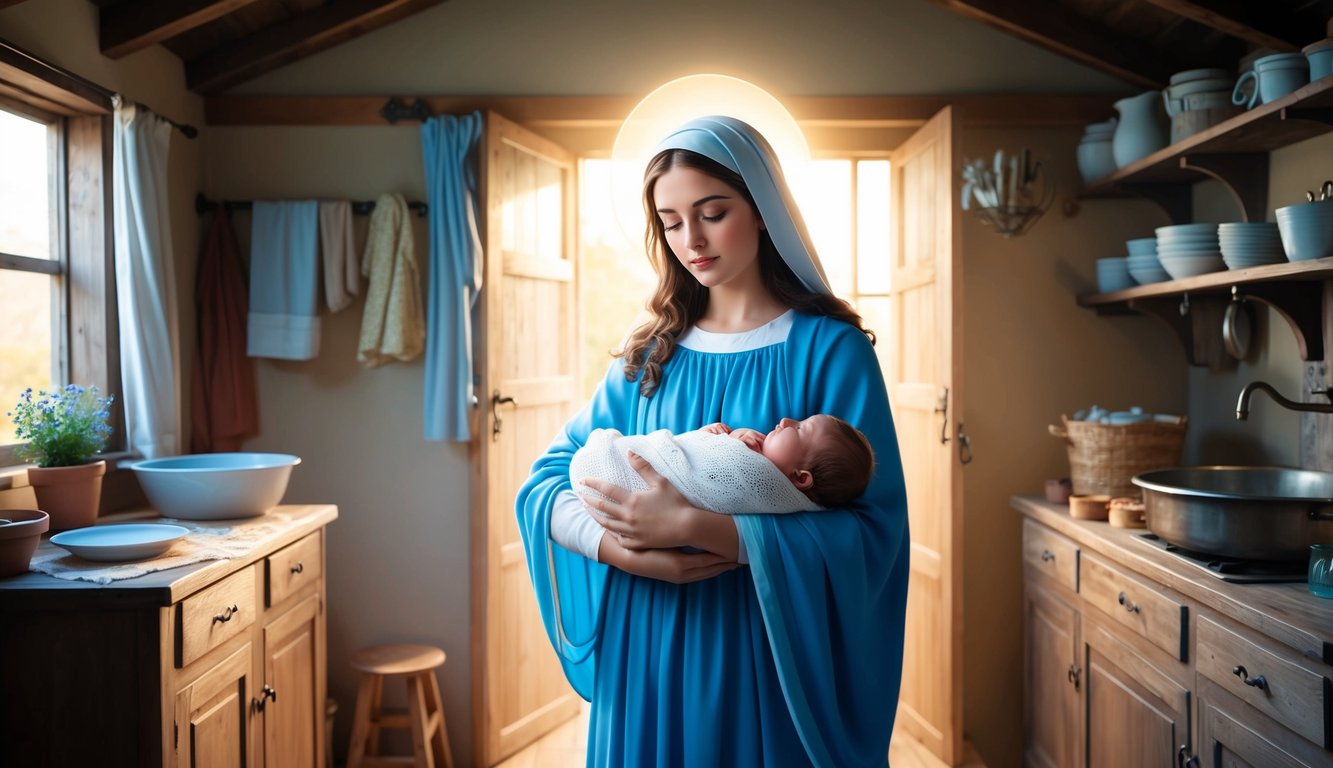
[1286, 612]
[162, 588]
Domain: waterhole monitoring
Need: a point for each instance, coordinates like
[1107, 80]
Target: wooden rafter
[1062, 31]
[1255, 23]
[295, 38]
[130, 27]
[7, 3]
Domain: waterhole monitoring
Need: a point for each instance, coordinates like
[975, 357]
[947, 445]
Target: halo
[683, 99]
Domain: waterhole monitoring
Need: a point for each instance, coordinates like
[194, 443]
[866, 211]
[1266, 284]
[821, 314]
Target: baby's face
[791, 443]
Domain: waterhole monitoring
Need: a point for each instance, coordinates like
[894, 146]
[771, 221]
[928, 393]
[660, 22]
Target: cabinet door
[293, 688]
[1232, 734]
[1136, 714]
[1052, 674]
[214, 715]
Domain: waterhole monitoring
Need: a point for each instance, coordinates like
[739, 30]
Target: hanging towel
[391, 325]
[342, 273]
[284, 273]
[224, 405]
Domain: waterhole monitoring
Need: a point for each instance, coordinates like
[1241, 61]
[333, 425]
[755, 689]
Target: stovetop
[1232, 569]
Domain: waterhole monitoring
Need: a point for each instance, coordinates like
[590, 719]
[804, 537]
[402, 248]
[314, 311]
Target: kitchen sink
[1256, 513]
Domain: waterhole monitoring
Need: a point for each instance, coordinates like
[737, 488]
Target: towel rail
[203, 204]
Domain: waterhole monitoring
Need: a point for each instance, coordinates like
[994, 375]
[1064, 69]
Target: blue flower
[65, 427]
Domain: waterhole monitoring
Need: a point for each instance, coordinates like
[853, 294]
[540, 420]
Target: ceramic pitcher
[1142, 127]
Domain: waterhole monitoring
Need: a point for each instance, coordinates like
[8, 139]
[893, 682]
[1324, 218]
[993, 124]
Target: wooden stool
[424, 715]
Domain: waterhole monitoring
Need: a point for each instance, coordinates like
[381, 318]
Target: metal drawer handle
[265, 695]
[1254, 682]
[298, 568]
[1129, 606]
[1184, 759]
[1074, 674]
[226, 614]
[1046, 555]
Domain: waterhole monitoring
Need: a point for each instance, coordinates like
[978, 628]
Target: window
[845, 202]
[57, 287]
[31, 267]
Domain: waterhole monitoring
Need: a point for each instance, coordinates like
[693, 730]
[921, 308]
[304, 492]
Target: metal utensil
[1237, 327]
[1326, 190]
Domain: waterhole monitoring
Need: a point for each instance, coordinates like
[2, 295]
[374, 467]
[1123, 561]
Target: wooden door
[292, 716]
[528, 311]
[1052, 679]
[214, 716]
[924, 374]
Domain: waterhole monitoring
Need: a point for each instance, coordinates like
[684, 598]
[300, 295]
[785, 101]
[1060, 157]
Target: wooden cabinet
[1051, 714]
[1146, 661]
[221, 663]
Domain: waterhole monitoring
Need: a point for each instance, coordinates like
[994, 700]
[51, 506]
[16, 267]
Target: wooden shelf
[1235, 152]
[1193, 307]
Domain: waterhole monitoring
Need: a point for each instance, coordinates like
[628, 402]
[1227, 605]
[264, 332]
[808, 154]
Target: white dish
[117, 543]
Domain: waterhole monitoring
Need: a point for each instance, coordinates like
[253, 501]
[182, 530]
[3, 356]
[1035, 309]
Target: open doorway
[845, 201]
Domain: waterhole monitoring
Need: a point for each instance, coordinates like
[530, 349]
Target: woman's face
[708, 225]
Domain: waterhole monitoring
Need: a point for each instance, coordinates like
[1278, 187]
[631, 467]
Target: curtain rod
[203, 204]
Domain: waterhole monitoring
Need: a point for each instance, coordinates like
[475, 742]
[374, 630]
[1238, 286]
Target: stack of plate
[1186, 250]
[1094, 151]
[1142, 260]
[1250, 244]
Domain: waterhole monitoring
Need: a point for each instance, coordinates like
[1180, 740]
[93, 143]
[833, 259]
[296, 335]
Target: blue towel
[284, 279]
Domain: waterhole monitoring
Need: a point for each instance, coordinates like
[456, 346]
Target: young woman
[780, 644]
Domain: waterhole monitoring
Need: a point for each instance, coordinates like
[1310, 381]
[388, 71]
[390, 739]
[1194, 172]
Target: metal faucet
[1243, 403]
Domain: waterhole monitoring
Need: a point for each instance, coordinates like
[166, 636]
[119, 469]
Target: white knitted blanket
[715, 472]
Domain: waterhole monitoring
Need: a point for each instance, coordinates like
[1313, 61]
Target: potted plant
[63, 430]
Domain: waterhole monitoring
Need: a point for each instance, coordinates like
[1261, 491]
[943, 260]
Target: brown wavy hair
[680, 300]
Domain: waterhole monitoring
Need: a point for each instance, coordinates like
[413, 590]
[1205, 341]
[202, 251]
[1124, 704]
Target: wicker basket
[1104, 457]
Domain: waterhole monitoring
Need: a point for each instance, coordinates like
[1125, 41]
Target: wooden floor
[564, 748]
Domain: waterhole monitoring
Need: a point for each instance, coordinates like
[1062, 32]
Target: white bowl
[215, 486]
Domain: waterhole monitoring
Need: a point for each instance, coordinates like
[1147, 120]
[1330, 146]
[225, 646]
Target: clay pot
[71, 495]
[19, 537]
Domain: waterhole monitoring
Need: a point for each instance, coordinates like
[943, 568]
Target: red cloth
[224, 400]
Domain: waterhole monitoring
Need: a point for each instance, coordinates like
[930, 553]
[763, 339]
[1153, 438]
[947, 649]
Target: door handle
[496, 401]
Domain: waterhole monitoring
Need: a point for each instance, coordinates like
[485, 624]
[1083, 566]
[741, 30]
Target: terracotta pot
[19, 537]
[71, 495]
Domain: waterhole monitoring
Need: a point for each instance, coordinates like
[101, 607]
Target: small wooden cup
[1126, 512]
[1088, 507]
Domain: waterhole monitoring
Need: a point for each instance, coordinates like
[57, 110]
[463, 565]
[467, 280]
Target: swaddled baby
[817, 463]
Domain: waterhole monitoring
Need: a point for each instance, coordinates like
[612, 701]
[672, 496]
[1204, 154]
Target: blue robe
[793, 660]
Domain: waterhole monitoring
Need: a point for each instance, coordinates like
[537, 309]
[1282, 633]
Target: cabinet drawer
[211, 616]
[292, 567]
[1292, 692]
[1048, 552]
[1136, 605]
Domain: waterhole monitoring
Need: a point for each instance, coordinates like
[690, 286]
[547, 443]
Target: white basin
[215, 486]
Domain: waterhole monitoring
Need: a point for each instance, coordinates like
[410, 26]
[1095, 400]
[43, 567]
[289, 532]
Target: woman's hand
[656, 518]
[671, 565]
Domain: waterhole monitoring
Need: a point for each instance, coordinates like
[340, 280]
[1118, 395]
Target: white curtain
[145, 283]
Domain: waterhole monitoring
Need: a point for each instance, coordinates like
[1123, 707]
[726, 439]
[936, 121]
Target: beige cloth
[213, 540]
[337, 246]
[392, 326]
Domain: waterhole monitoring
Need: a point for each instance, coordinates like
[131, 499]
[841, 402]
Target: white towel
[392, 326]
[342, 273]
[284, 277]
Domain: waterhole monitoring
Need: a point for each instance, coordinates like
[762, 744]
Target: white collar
[773, 332]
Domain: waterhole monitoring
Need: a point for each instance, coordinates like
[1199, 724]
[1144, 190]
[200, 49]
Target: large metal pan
[1255, 513]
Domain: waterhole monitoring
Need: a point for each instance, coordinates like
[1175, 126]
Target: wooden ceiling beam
[7, 3]
[129, 27]
[300, 36]
[1062, 31]
[1255, 23]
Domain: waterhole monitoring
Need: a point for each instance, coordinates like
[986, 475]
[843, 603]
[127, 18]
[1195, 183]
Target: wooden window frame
[88, 343]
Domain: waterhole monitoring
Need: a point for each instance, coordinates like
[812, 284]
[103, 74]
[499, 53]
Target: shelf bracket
[1317, 114]
[1245, 176]
[1199, 326]
[1301, 305]
[1174, 199]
